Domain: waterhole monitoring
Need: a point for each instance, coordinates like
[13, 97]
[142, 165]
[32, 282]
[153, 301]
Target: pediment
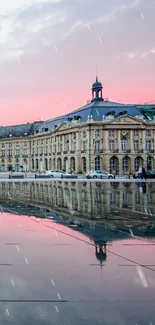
[63, 126]
[128, 120]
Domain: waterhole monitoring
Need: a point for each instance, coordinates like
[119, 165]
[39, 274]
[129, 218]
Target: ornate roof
[20, 130]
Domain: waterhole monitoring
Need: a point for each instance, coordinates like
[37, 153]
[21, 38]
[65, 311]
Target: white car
[99, 174]
[56, 173]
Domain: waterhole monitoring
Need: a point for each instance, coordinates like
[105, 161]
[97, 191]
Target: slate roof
[20, 130]
[96, 109]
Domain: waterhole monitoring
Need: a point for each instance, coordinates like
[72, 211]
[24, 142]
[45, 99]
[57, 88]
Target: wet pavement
[61, 266]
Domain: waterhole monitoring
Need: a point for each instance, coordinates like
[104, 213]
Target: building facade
[100, 135]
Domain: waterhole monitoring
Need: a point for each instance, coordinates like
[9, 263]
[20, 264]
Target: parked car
[99, 174]
[149, 174]
[53, 174]
[56, 173]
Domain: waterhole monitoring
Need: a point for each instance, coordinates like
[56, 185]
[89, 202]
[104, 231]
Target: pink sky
[49, 50]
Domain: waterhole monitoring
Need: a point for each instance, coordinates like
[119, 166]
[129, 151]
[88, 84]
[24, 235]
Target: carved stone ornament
[126, 120]
[124, 134]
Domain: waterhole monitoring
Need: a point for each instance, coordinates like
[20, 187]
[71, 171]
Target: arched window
[72, 164]
[138, 162]
[66, 164]
[84, 165]
[32, 163]
[50, 164]
[149, 163]
[37, 165]
[125, 164]
[97, 163]
[114, 164]
[59, 164]
[46, 164]
[53, 163]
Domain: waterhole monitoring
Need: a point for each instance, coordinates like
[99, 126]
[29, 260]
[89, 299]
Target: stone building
[100, 135]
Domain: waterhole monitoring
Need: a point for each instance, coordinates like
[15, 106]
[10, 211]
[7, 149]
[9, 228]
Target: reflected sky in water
[81, 253]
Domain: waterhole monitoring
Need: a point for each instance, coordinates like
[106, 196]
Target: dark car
[148, 174]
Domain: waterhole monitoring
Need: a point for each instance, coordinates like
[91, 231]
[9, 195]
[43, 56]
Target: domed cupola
[97, 90]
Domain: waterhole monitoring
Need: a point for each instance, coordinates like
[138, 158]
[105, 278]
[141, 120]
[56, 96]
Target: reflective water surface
[77, 253]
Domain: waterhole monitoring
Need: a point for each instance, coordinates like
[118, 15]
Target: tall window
[3, 153]
[148, 133]
[125, 164]
[148, 145]
[137, 163]
[97, 133]
[84, 163]
[136, 145]
[111, 145]
[73, 166]
[114, 164]
[74, 146]
[10, 152]
[97, 163]
[97, 146]
[136, 133]
[17, 152]
[84, 146]
[84, 134]
[124, 144]
[25, 152]
[67, 145]
[111, 133]
[149, 163]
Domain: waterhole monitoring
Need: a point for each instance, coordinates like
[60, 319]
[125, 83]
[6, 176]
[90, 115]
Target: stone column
[119, 140]
[143, 144]
[131, 142]
[77, 154]
[106, 142]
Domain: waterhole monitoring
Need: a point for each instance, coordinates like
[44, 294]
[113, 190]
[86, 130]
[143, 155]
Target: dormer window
[123, 113]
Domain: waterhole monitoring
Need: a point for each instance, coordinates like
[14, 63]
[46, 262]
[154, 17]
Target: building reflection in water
[102, 212]
[93, 200]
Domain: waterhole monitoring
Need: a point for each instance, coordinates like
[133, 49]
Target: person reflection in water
[142, 187]
[101, 252]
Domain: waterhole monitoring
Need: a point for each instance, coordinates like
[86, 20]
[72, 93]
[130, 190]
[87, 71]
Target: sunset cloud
[22, 23]
[49, 50]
